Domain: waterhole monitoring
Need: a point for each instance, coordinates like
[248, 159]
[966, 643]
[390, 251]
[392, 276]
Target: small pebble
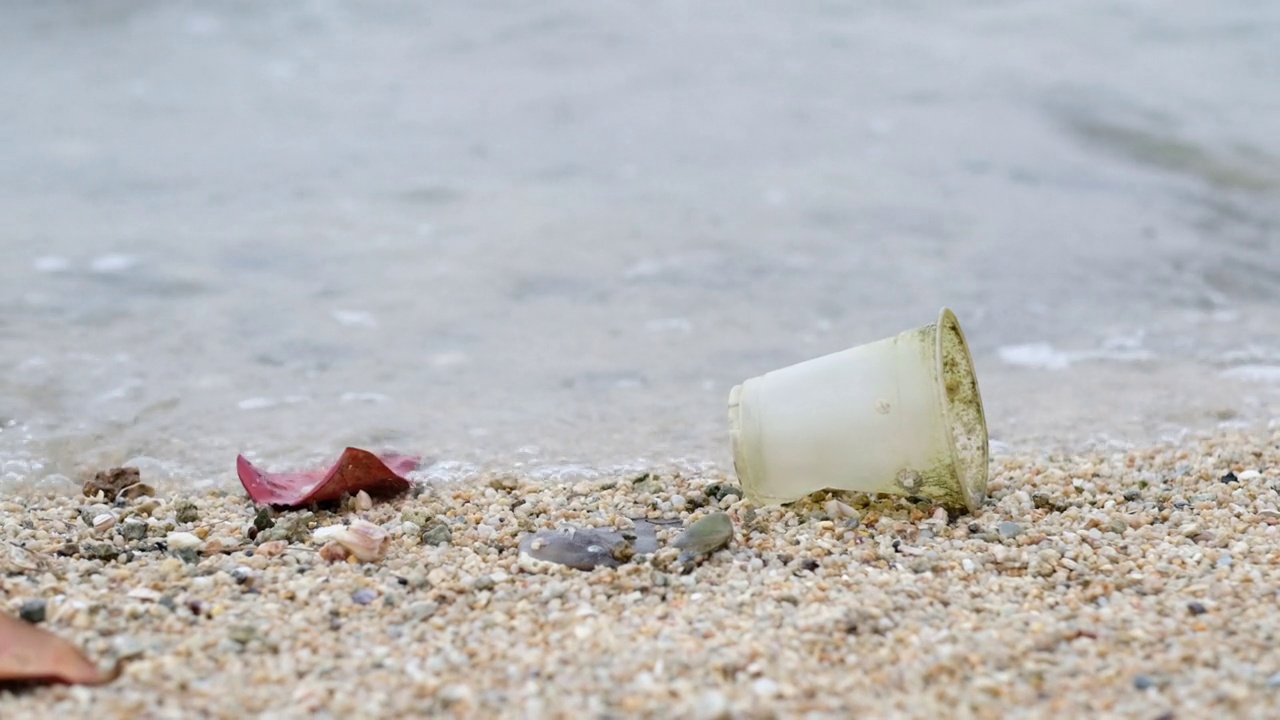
[712, 705]
[1009, 529]
[421, 609]
[133, 530]
[454, 694]
[186, 511]
[1196, 608]
[438, 534]
[100, 551]
[764, 687]
[242, 634]
[705, 536]
[180, 541]
[33, 611]
[364, 596]
[242, 575]
[1144, 682]
[264, 520]
[719, 491]
[128, 647]
[87, 514]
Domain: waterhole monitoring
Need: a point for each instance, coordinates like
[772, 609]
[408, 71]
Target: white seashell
[272, 548]
[836, 510]
[368, 542]
[103, 523]
[334, 552]
[363, 501]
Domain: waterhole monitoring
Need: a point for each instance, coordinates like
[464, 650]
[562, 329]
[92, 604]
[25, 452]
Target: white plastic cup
[902, 415]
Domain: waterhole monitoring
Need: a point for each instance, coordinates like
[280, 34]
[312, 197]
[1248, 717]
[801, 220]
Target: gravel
[32, 611]
[1092, 610]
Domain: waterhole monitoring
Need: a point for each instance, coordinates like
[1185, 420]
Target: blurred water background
[553, 235]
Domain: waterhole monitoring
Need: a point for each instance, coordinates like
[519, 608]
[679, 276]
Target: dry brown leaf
[32, 654]
[354, 471]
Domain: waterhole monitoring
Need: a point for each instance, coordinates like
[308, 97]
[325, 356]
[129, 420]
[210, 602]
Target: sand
[1139, 583]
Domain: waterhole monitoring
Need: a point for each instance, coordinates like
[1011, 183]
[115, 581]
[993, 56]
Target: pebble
[1196, 608]
[182, 541]
[133, 530]
[764, 687]
[455, 694]
[100, 551]
[242, 634]
[437, 534]
[264, 519]
[186, 511]
[718, 492]
[292, 527]
[1009, 529]
[364, 596]
[706, 536]
[89, 512]
[33, 611]
[421, 609]
[712, 705]
[128, 647]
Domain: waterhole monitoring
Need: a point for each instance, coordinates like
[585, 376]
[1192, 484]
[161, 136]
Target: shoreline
[1134, 583]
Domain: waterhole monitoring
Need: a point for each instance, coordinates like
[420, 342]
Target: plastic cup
[901, 415]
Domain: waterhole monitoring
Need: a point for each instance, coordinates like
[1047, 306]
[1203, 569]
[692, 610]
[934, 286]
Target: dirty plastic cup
[901, 416]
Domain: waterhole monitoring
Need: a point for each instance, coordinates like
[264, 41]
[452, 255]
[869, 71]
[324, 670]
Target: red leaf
[31, 654]
[356, 470]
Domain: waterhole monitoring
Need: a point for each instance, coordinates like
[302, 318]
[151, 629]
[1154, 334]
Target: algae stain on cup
[902, 415]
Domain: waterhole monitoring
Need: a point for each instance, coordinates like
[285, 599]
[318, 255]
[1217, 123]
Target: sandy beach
[538, 245]
[1138, 583]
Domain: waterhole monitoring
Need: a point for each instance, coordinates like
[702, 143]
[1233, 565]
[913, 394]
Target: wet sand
[1137, 583]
